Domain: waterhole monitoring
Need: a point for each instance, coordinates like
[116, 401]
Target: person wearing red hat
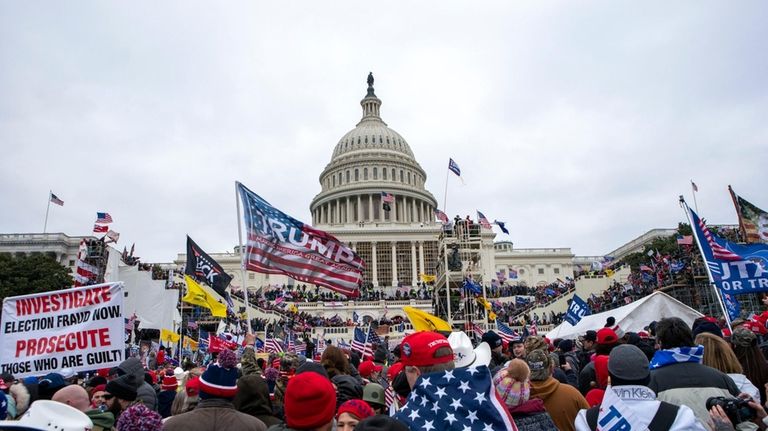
[606, 340]
[167, 395]
[350, 413]
[425, 352]
[310, 403]
[97, 399]
[369, 370]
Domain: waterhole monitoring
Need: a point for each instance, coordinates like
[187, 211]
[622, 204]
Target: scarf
[677, 355]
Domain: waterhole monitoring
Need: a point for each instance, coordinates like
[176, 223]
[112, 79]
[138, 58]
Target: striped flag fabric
[100, 228]
[443, 217]
[387, 197]
[477, 330]
[272, 345]
[373, 337]
[718, 251]
[290, 345]
[389, 396]
[280, 244]
[54, 199]
[483, 221]
[752, 219]
[534, 329]
[506, 333]
[361, 344]
[103, 218]
[685, 240]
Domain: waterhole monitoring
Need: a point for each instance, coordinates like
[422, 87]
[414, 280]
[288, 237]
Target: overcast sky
[577, 123]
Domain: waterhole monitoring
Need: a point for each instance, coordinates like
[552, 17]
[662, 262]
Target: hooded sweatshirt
[253, 398]
[562, 402]
[145, 392]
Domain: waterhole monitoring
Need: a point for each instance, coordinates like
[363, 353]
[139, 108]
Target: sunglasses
[108, 396]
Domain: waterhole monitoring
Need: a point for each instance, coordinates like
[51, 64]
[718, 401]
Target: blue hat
[493, 339]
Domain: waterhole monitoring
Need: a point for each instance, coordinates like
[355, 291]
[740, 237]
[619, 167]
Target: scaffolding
[460, 258]
[96, 255]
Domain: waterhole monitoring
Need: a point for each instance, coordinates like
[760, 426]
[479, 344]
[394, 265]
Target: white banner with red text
[81, 328]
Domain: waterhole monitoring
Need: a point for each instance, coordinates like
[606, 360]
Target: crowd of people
[670, 376]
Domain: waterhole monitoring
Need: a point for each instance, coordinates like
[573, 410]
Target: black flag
[202, 267]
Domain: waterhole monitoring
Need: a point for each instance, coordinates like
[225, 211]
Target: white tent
[630, 318]
[155, 306]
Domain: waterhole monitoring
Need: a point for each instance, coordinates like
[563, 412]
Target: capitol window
[402, 178]
[365, 174]
[347, 175]
[333, 180]
[393, 174]
[409, 177]
[541, 271]
[375, 173]
[357, 175]
[384, 173]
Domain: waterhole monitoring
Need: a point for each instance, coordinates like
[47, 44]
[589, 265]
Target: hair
[335, 362]
[604, 349]
[674, 332]
[718, 354]
[754, 365]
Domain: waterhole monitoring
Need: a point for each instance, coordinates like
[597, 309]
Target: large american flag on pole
[483, 221]
[361, 343]
[279, 244]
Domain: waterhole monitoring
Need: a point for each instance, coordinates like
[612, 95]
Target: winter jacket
[102, 421]
[587, 376]
[562, 402]
[164, 402]
[214, 414]
[532, 416]
[643, 404]
[744, 385]
[249, 364]
[691, 384]
[146, 393]
[253, 399]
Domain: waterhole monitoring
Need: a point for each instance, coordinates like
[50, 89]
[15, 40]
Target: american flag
[320, 344]
[477, 330]
[483, 221]
[718, 251]
[280, 244]
[387, 197]
[56, 200]
[458, 399]
[389, 396]
[272, 345]
[361, 344]
[103, 218]
[534, 330]
[685, 240]
[373, 337]
[506, 333]
[443, 217]
[290, 345]
[301, 347]
[100, 229]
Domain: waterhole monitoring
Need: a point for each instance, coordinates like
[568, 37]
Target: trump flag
[279, 244]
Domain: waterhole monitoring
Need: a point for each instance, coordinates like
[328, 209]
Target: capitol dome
[373, 176]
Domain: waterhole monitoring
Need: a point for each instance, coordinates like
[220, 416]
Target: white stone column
[338, 211]
[421, 258]
[423, 216]
[374, 266]
[370, 208]
[414, 269]
[394, 263]
[347, 212]
[359, 210]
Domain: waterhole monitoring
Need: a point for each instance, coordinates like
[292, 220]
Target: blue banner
[472, 286]
[576, 310]
[736, 269]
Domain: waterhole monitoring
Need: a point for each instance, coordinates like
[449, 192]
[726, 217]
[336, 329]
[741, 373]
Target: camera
[738, 410]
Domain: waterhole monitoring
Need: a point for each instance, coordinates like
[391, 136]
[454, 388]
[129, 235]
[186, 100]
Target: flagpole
[704, 260]
[445, 195]
[693, 191]
[181, 328]
[365, 343]
[50, 192]
[242, 259]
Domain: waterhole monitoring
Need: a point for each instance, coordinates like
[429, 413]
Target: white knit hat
[50, 415]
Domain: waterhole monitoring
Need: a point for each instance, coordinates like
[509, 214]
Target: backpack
[662, 421]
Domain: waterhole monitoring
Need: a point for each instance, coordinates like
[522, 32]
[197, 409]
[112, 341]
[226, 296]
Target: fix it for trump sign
[80, 328]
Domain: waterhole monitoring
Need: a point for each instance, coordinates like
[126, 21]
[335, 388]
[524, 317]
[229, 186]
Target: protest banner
[80, 328]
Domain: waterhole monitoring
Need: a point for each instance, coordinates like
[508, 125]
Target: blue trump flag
[736, 269]
[576, 310]
[454, 167]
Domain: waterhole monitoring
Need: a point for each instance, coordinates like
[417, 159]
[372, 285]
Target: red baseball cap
[419, 349]
[394, 370]
[367, 368]
[607, 336]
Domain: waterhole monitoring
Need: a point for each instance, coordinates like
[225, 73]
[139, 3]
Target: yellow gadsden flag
[190, 344]
[168, 336]
[427, 278]
[196, 295]
[423, 321]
